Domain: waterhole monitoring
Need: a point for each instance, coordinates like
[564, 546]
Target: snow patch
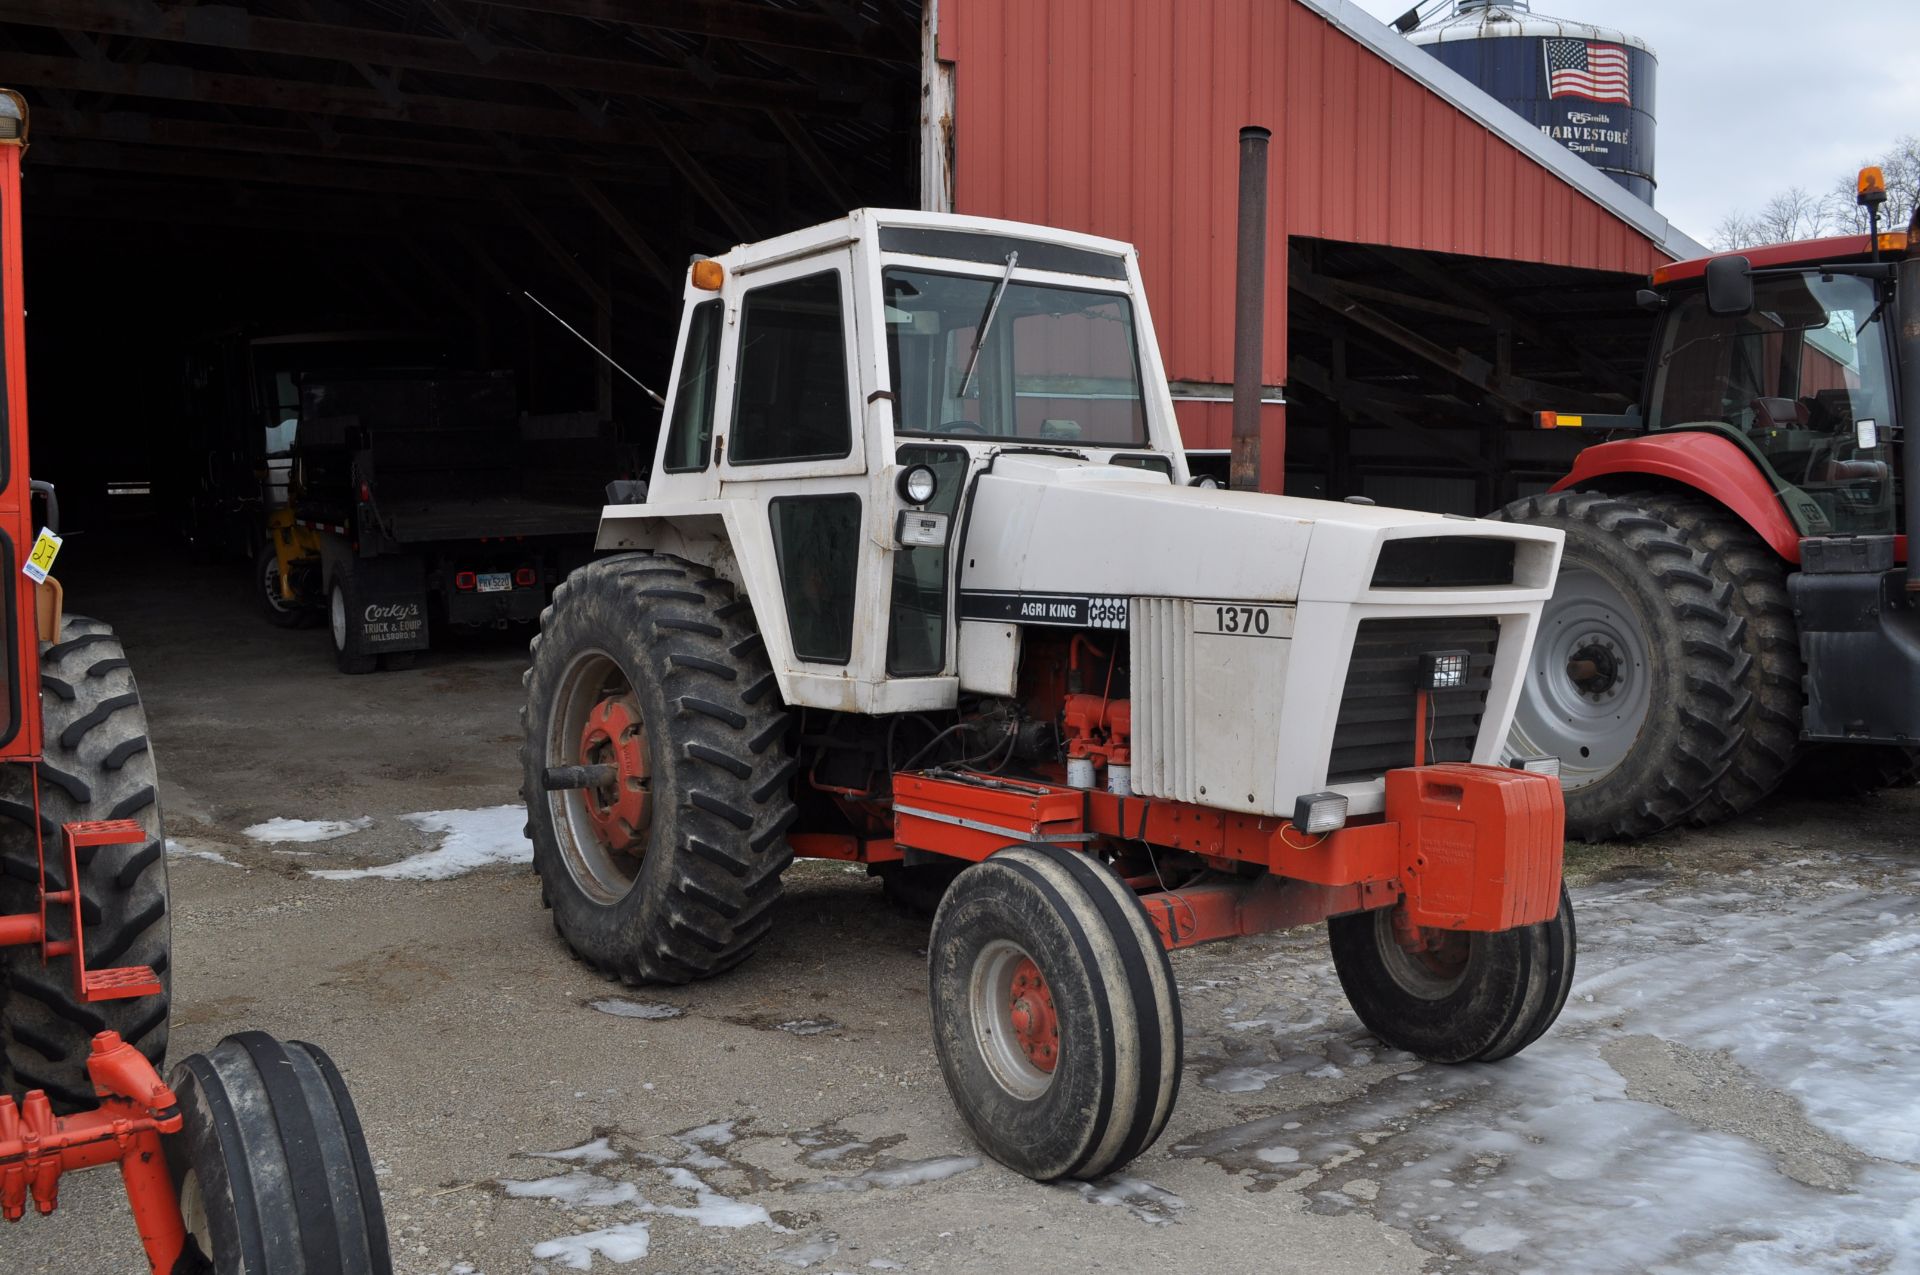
[1156, 1206]
[596, 1152]
[470, 839]
[807, 1252]
[578, 1189]
[619, 1244]
[620, 1008]
[197, 850]
[284, 831]
[891, 1177]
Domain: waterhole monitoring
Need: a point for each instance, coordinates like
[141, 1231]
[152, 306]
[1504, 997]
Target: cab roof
[1803, 252]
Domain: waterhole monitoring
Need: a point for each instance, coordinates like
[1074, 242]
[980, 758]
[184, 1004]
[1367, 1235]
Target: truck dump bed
[447, 457]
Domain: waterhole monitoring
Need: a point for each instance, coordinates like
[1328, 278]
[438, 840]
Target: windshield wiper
[986, 322]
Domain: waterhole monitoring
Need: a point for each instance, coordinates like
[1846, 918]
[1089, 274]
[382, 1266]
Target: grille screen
[1374, 732]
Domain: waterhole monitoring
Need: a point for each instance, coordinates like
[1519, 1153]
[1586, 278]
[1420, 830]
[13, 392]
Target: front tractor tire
[652, 665]
[96, 765]
[1642, 678]
[271, 1165]
[1449, 996]
[1055, 1015]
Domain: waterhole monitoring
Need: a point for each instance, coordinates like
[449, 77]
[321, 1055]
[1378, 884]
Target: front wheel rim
[1588, 684]
[1011, 1011]
[270, 582]
[1429, 964]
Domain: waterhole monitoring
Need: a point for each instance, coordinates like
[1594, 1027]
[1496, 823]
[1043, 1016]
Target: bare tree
[1796, 214]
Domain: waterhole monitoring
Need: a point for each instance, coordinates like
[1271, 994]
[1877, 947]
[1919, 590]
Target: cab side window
[790, 385]
[690, 433]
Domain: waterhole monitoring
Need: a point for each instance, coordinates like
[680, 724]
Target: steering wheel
[962, 426]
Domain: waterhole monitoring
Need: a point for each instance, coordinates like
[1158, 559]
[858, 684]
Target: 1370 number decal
[1243, 621]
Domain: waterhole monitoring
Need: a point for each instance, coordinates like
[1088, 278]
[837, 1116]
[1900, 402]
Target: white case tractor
[919, 581]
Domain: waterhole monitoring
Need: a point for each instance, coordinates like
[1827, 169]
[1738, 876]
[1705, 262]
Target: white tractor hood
[1044, 525]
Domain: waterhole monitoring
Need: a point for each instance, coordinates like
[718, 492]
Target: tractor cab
[1734, 598]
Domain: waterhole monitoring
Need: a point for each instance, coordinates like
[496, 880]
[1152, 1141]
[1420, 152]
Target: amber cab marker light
[708, 275]
[1546, 420]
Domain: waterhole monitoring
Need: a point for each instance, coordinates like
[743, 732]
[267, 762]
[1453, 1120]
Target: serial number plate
[1236, 621]
[495, 582]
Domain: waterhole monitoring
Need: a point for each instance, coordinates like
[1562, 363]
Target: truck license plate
[496, 582]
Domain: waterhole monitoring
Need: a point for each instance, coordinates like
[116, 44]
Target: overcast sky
[1759, 95]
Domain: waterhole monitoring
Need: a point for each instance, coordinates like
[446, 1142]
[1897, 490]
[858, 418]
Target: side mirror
[1729, 286]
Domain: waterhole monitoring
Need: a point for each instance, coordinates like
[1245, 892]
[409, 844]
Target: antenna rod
[591, 346]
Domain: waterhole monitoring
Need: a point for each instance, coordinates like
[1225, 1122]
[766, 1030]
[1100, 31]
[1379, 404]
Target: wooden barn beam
[230, 27]
[625, 231]
[178, 84]
[729, 20]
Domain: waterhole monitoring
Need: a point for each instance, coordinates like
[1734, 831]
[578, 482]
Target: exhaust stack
[1906, 308]
[1249, 309]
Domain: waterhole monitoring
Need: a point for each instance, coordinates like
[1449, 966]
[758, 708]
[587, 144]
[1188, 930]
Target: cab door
[791, 441]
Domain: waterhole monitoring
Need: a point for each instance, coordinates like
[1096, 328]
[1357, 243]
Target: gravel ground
[1735, 1084]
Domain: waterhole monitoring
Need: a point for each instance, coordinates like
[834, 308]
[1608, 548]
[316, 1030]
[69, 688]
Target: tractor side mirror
[1729, 286]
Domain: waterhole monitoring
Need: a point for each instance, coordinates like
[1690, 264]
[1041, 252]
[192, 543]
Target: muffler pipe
[1249, 309]
[1906, 309]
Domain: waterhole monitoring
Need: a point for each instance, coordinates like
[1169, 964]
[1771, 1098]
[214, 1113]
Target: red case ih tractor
[1734, 597]
[249, 1160]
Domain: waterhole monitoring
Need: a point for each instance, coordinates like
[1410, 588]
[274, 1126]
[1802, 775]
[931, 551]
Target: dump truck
[1734, 600]
[418, 499]
[920, 580]
[246, 1158]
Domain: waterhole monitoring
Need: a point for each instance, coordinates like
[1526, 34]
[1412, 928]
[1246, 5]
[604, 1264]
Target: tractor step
[120, 983]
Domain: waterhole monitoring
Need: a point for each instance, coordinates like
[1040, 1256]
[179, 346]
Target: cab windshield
[1803, 378]
[1056, 365]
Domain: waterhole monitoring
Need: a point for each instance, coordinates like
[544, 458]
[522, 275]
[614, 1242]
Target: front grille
[1374, 732]
[1443, 562]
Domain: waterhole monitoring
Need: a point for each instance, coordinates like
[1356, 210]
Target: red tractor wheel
[1055, 1014]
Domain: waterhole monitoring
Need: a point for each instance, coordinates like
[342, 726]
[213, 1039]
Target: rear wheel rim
[337, 613]
[602, 834]
[1588, 685]
[1010, 1007]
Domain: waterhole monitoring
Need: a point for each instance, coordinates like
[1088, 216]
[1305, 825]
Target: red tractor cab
[1734, 599]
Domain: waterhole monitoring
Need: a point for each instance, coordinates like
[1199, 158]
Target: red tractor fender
[1712, 466]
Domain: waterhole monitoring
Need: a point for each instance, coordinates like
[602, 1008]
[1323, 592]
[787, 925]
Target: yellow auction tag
[40, 562]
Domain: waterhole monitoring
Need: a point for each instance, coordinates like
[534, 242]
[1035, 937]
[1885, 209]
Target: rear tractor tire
[1642, 680]
[271, 1165]
[1055, 1015]
[670, 873]
[1462, 997]
[96, 766]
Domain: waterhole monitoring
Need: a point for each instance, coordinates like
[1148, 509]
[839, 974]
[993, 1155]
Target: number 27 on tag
[40, 562]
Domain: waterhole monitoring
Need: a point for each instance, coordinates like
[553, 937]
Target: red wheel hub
[1035, 1025]
[1442, 953]
[620, 811]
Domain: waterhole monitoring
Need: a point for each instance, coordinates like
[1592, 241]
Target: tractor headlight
[1444, 670]
[1319, 812]
[1538, 765]
[918, 484]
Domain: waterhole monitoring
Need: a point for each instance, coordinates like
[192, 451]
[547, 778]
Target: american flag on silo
[1581, 68]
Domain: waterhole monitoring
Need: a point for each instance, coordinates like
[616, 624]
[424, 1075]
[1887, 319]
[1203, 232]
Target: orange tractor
[249, 1158]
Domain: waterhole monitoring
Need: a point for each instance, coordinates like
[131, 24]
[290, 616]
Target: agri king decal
[1063, 610]
[1593, 96]
[392, 623]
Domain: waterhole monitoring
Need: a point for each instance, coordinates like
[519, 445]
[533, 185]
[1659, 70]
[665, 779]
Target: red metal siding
[1121, 118]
